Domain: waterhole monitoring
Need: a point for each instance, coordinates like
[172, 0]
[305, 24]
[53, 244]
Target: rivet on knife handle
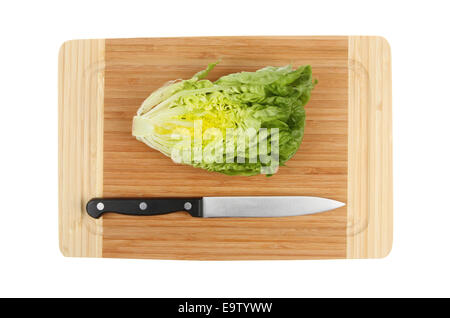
[96, 207]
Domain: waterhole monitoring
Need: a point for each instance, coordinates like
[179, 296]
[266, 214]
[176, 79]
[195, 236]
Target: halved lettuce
[199, 122]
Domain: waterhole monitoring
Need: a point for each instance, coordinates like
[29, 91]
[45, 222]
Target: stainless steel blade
[277, 206]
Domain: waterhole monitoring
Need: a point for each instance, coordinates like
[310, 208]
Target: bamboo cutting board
[346, 153]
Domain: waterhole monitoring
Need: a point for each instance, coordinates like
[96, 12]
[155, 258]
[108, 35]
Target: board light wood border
[370, 199]
[80, 128]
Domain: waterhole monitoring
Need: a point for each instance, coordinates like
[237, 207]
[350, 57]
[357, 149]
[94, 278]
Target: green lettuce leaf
[245, 106]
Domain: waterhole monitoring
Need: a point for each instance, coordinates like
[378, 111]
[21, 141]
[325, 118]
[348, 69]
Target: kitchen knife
[215, 207]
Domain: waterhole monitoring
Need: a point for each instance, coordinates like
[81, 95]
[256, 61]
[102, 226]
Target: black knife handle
[145, 206]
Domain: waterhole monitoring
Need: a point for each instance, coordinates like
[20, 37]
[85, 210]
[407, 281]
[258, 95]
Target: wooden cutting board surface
[345, 154]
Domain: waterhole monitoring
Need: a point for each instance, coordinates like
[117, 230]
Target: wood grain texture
[136, 67]
[370, 228]
[80, 112]
[346, 153]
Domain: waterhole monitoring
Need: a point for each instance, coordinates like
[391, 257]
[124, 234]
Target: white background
[30, 261]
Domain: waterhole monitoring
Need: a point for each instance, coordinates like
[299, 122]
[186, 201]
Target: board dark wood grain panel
[136, 67]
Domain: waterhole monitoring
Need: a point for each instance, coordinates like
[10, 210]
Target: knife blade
[215, 207]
